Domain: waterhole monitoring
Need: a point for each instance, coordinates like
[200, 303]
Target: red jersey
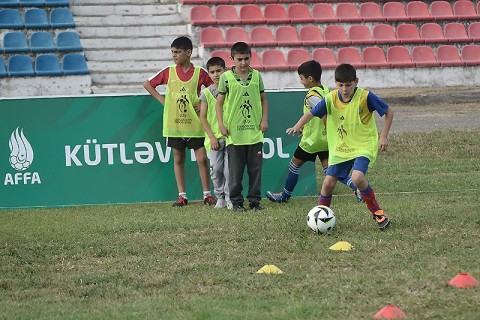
[162, 77]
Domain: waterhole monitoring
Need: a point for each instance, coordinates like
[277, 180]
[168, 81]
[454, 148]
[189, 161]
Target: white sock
[206, 194]
[182, 194]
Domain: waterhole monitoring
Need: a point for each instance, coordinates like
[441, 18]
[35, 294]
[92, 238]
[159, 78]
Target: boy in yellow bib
[352, 135]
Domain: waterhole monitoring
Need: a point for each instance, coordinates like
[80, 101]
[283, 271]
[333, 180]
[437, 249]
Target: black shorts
[182, 143]
[305, 156]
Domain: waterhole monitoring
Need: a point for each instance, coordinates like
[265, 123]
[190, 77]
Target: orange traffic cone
[389, 312]
[463, 280]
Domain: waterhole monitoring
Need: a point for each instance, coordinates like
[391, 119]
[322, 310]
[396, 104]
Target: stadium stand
[256, 62]
[384, 33]
[42, 41]
[323, 12]
[423, 56]
[474, 31]
[226, 14]
[36, 18]
[274, 59]
[335, 35]
[61, 18]
[347, 12]
[275, 13]
[360, 34]
[370, 11]
[374, 57]
[287, 36]
[326, 57]
[399, 56]
[311, 35]
[441, 10]
[56, 3]
[9, 3]
[299, 13]
[225, 55]
[15, 42]
[296, 57]
[235, 34]
[418, 11]
[262, 37]
[20, 65]
[408, 33]
[202, 15]
[350, 55]
[394, 11]
[251, 14]
[448, 56]
[464, 10]
[47, 65]
[211, 37]
[10, 19]
[68, 41]
[470, 54]
[432, 33]
[456, 32]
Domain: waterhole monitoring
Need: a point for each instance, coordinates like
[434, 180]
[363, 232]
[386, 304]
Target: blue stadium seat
[74, 63]
[15, 42]
[3, 70]
[10, 19]
[36, 18]
[42, 41]
[61, 18]
[47, 65]
[56, 3]
[31, 3]
[68, 41]
[9, 3]
[20, 65]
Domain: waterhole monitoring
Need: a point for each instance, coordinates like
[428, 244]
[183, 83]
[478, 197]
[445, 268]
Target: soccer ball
[321, 219]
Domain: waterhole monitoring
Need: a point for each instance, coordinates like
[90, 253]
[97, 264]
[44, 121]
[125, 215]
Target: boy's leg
[346, 181]
[217, 165]
[254, 169]
[197, 144]
[328, 185]
[179, 170]
[236, 165]
[226, 172]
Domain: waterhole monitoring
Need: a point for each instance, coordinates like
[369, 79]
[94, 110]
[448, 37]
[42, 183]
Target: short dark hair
[345, 73]
[183, 43]
[215, 61]
[312, 69]
[240, 48]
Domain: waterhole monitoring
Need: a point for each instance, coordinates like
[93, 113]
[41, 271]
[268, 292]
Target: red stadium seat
[350, 55]
[394, 11]
[256, 62]
[236, 34]
[262, 37]
[398, 56]
[274, 59]
[432, 33]
[423, 56]
[311, 36]
[471, 54]
[360, 34]
[323, 12]
[474, 31]
[370, 11]
[212, 37]
[326, 57]
[287, 36]
[418, 11]
[408, 33]
[447, 56]
[299, 13]
[384, 33]
[226, 14]
[275, 13]
[335, 34]
[295, 57]
[441, 10]
[202, 15]
[374, 57]
[456, 32]
[463, 9]
[225, 55]
[251, 14]
[347, 12]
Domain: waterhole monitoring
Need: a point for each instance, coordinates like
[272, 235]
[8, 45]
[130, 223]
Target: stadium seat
[8, 3]
[36, 18]
[15, 42]
[262, 37]
[418, 11]
[20, 65]
[441, 10]
[56, 3]
[311, 35]
[42, 41]
[323, 12]
[287, 36]
[423, 56]
[202, 15]
[360, 34]
[212, 37]
[256, 62]
[335, 35]
[432, 33]
[251, 14]
[273, 59]
[470, 54]
[447, 56]
[299, 13]
[226, 14]
[61, 18]
[399, 56]
[464, 10]
[408, 33]
[295, 57]
[275, 13]
[10, 19]
[374, 57]
[3, 69]
[474, 31]
[347, 12]
[370, 11]
[326, 57]
[74, 64]
[456, 32]
[68, 41]
[350, 55]
[384, 33]
[47, 65]
[394, 11]
[31, 3]
[236, 34]
[225, 55]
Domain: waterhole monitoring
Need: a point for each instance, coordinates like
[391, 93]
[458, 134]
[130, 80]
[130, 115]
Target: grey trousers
[219, 171]
[240, 156]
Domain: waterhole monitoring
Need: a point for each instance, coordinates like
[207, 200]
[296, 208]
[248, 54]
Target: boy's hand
[214, 143]
[264, 125]
[197, 108]
[294, 130]
[223, 130]
[383, 144]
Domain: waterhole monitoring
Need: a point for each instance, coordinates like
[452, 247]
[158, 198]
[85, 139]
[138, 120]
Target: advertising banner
[109, 149]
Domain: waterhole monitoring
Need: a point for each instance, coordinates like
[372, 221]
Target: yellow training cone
[270, 268]
[342, 246]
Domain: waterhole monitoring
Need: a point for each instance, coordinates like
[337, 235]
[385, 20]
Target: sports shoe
[181, 202]
[382, 219]
[229, 205]
[275, 197]
[209, 200]
[358, 195]
[255, 206]
[238, 208]
[221, 203]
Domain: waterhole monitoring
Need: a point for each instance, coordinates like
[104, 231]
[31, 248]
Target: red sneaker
[181, 202]
[209, 200]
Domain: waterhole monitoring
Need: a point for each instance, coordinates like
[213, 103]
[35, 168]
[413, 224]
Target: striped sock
[292, 179]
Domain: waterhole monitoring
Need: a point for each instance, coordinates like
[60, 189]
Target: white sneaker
[220, 204]
[229, 205]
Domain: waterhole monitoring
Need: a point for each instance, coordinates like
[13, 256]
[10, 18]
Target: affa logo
[21, 158]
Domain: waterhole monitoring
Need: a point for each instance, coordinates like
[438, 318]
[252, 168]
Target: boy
[214, 141]
[181, 125]
[313, 143]
[352, 136]
[242, 113]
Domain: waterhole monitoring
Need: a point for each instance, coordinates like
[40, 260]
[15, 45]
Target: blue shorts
[342, 170]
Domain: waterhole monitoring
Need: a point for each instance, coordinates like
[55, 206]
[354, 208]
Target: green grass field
[152, 261]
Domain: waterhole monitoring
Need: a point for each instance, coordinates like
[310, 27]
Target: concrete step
[121, 21]
[124, 10]
[157, 42]
[131, 31]
[131, 66]
[119, 89]
[118, 2]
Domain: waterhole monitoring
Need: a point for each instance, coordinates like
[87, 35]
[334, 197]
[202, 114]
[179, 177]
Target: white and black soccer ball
[321, 219]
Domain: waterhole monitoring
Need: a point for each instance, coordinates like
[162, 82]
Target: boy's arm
[387, 123]
[301, 122]
[264, 122]
[219, 111]
[154, 92]
[206, 125]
